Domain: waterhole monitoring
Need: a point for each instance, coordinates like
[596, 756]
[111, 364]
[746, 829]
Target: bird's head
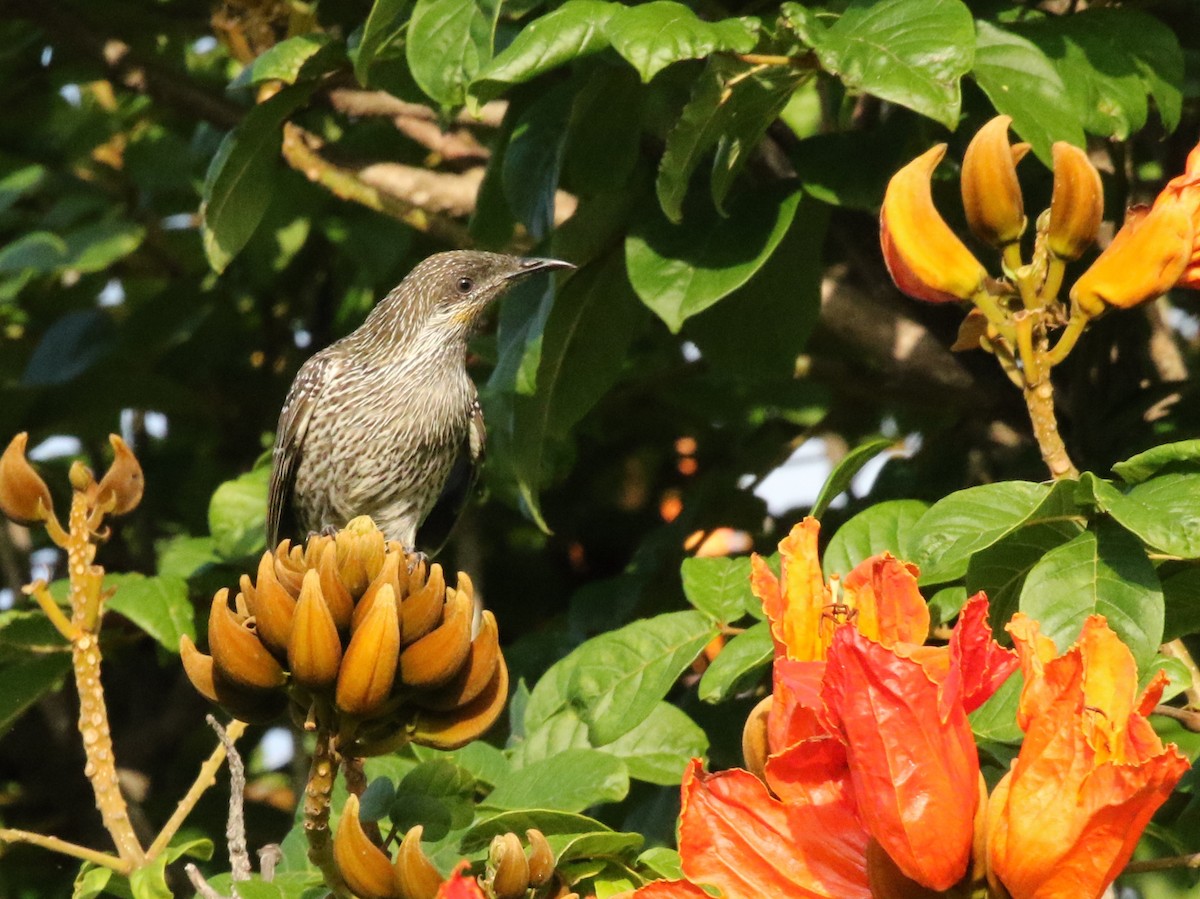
[447, 293]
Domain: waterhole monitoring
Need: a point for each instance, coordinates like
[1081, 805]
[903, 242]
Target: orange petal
[924, 257]
[991, 194]
[1145, 259]
[911, 755]
[888, 607]
[982, 663]
[1077, 206]
[669, 889]
[461, 885]
[734, 835]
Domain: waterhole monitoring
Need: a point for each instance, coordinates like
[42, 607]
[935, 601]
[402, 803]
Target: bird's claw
[415, 558]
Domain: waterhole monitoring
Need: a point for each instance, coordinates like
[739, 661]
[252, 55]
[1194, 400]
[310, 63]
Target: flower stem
[317, 793]
[54, 844]
[1039, 400]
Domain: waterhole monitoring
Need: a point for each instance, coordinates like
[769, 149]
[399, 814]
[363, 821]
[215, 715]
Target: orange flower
[1154, 250]
[924, 257]
[1090, 758]
[460, 885]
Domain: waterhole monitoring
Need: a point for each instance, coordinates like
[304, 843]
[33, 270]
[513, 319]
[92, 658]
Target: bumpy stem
[317, 793]
[1039, 400]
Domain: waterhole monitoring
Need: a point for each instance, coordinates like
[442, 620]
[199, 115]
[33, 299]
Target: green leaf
[18, 182]
[384, 26]
[449, 41]
[95, 247]
[719, 587]
[739, 664]
[91, 881]
[680, 270]
[524, 312]
[376, 799]
[561, 731]
[883, 527]
[654, 35]
[657, 749]
[70, 347]
[27, 677]
[945, 605]
[571, 781]
[1001, 569]
[437, 794]
[190, 847]
[956, 527]
[619, 677]
[158, 605]
[237, 514]
[911, 52]
[996, 719]
[604, 142]
[286, 61]
[1106, 574]
[182, 556]
[732, 103]
[29, 631]
[604, 844]
[551, 822]
[533, 158]
[150, 880]
[1178, 672]
[1145, 465]
[1181, 594]
[759, 330]
[1021, 81]
[1165, 512]
[843, 473]
[573, 31]
[239, 184]
[594, 320]
[39, 252]
[662, 861]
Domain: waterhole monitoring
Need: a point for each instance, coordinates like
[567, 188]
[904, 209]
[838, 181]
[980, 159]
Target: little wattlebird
[386, 421]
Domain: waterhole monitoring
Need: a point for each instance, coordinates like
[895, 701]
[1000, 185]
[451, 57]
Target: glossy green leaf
[571, 781]
[533, 158]
[996, 719]
[436, 794]
[942, 542]
[18, 182]
[911, 52]
[573, 31]
[237, 514]
[663, 862]
[1145, 465]
[1181, 593]
[680, 270]
[1165, 512]
[149, 881]
[376, 799]
[604, 139]
[739, 665]
[285, 61]
[183, 556]
[719, 587]
[158, 605]
[69, 348]
[843, 473]
[652, 36]
[29, 631]
[95, 247]
[1001, 569]
[239, 184]
[657, 749]
[732, 104]
[1106, 574]
[384, 26]
[563, 730]
[619, 677]
[945, 605]
[38, 252]
[91, 881]
[568, 847]
[882, 527]
[449, 41]
[1022, 82]
[550, 822]
[27, 677]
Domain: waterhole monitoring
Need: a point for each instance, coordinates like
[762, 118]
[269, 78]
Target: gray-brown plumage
[386, 421]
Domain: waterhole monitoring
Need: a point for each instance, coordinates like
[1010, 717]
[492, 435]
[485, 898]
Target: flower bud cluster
[511, 870]
[350, 626]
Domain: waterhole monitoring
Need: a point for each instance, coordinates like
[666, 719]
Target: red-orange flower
[1066, 818]
[1184, 192]
[460, 885]
[870, 743]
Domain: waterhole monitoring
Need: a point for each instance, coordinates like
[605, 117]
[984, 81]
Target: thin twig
[1163, 864]
[202, 886]
[235, 827]
[54, 844]
[1186, 717]
[205, 779]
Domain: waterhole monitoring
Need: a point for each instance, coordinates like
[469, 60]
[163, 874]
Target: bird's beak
[532, 266]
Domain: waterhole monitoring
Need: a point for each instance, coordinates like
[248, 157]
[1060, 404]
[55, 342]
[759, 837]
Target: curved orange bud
[24, 496]
[416, 875]
[1077, 205]
[363, 865]
[123, 481]
[510, 867]
[238, 654]
[541, 858]
[369, 665]
[924, 257]
[451, 730]
[755, 747]
[271, 605]
[1145, 259]
[314, 647]
[991, 194]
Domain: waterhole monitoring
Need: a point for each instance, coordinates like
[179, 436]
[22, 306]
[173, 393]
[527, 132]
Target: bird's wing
[289, 442]
[435, 529]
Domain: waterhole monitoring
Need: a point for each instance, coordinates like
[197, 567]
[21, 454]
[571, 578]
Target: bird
[386, 421]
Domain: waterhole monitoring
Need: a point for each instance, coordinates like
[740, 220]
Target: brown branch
[54, 844]
[1163, 864]
[380, 103]
[1187, 717]
[166, 85]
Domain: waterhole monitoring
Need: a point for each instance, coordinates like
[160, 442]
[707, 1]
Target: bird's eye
[464, 285]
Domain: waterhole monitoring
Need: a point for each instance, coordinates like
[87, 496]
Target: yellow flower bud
[123, 483]
[271, 605]
[314, 647]
[416, 876]
[363, 865]
[991, 194]
[1077, 205]
[924, 257]
[238, 654]
[369, 665]
[509, 868]
[24, 496]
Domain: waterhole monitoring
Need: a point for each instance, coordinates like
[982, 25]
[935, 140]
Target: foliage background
[731, 306]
